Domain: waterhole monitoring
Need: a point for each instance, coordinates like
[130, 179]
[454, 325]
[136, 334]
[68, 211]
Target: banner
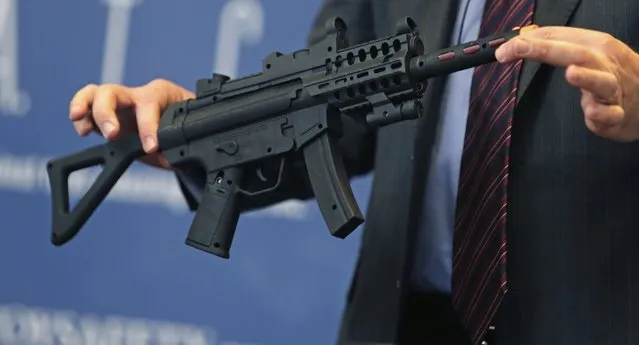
[128, 278]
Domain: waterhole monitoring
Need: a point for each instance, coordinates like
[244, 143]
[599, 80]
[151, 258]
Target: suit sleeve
[357, 143]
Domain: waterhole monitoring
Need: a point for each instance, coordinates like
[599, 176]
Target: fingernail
[107, 128]
[148, 143]
[529, 28]
[522, 46]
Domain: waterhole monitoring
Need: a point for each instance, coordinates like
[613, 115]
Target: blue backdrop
[128, 278]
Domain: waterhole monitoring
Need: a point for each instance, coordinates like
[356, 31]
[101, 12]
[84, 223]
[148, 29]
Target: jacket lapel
[547, 13]
[436, 21]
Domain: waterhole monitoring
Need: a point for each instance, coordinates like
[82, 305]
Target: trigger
[260, 174]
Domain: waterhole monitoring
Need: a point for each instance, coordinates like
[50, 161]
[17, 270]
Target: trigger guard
[269, 189]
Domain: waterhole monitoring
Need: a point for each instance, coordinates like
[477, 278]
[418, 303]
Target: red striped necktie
[479, 241]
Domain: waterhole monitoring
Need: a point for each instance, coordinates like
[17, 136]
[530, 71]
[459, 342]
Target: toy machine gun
[292, 108]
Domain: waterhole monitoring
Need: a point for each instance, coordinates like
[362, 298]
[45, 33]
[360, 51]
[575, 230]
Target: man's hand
[604, 68]
[113, 110]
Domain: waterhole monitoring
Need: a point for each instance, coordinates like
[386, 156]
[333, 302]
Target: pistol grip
[213, 227]
[331, 185]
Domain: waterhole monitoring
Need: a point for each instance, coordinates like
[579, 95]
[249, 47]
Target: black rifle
[294, 106]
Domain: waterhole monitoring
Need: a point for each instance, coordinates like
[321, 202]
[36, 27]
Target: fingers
[600, 117]
[80, 107]
[102, 106]
[603, 85]
[157, 160]
[148, 111]
[107, 99]
[556, 53]
[116, 109]
[148, 120]
[81, 102]
[568, 34]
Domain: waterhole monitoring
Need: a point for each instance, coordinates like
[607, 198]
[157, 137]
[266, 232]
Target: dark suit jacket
[573, 216]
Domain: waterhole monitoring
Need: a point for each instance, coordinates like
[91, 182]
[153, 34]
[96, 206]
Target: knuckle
[546, 33]
[582, 56]
[90, 87]
[584, 102]
[108, 89]
[539, 50]
[104, 91]
[573, 74]
[158, 83]
[599, 56]
[607, 41]
[616, 94]
[149, 92]
[84, 93]
[589, 106]
[145, 96]
[590, 112]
